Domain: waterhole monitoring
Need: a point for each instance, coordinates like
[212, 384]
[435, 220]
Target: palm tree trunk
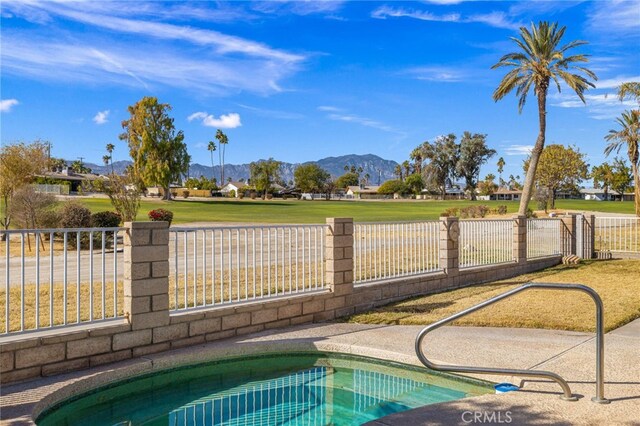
[537, 150]
[636, 184]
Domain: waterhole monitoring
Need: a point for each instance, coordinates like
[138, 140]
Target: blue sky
[301, 80]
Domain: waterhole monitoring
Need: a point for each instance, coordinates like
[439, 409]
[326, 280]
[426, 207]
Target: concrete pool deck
[570, 354]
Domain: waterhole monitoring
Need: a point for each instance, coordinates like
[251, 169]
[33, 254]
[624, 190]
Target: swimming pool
[290, 389]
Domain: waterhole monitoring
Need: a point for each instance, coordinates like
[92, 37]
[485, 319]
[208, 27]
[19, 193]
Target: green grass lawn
[294, 211]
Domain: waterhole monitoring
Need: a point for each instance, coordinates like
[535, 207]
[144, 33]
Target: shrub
[159, 215]
[105, 220]
[502, 210]
[474, 211]
[241, 195]
[530, 214]
[174, 194]
[232, 193]
[185, 193]
[253, 195]
[450, 212]
[284, 196]
[269, 196]
[73, 215]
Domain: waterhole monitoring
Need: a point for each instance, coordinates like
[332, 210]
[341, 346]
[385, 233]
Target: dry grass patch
[617, 282]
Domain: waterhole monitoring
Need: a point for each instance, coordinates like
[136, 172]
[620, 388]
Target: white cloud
[189, 57]
[385, 11]
[298, 7]
[176, 67]
[493, 19]
[7, 104]
[619, 17]
[225, 121]
[329, 108]
[518, 149]
[101, 117]
[438, 73]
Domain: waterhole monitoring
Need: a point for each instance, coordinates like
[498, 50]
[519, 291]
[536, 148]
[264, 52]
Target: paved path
[570, 354]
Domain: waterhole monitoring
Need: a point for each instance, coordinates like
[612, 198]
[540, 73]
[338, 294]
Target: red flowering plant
[158, 215]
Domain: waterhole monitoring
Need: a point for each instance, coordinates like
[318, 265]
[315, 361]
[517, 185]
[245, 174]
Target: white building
[232, 186]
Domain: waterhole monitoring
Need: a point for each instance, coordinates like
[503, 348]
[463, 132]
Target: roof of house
[73, 176]
[372, 189]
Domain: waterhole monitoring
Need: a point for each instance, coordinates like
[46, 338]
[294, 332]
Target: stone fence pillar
[146, 274]
[449, 245]
[339, 255]
[520, 239]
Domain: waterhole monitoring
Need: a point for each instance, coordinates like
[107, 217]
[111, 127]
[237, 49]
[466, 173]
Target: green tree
[417, 158]
[487, 186]
[602, 176]
[211, 146]
[540, 60]
[395, 186]
[397, 170]
[223, 141]
[622, 177]
[348, 179]
[560, 168]
[78, 167]
[264, 174]
[628, 134]
[19, 165]
[443, 155]
[159, 154]
[501, 164]
[110, 148]
[311, 178]
[415, 183]
[57, 163]
[473, 154]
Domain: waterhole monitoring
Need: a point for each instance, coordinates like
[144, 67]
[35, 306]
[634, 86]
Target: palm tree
[106, 159]
[222, 141]
[416, 157]
[211, 147]
[501, 164]
[629, 134]
[539, 61]
[398, 171]
[110, 148]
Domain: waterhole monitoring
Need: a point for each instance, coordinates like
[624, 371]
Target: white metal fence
[617, 234]
[222, 265]
[543, 237]
[388, 250]
[485, 242]
[58, 277]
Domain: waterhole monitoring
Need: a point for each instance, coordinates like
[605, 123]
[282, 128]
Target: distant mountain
[377, 168]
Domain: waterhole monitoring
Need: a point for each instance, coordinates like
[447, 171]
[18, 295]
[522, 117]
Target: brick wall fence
[150, 327]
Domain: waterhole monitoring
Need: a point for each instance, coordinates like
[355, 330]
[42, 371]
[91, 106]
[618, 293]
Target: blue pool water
[282, 389]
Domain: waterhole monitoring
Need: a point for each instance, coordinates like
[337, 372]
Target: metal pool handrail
[568, 396]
